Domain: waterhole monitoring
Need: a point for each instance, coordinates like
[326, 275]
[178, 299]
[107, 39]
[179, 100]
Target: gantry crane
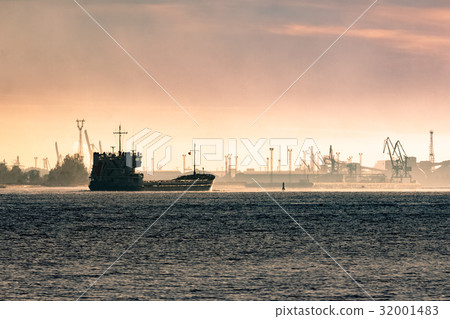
[399, 159]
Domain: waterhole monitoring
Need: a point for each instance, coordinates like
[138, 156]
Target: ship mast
[120, 133]
[194, 157]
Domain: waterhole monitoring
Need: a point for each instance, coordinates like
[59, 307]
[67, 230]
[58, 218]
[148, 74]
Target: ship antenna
[120, 137]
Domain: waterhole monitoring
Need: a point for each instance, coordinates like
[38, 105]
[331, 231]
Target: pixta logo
[251, 151]
[156, 153]
[147, 143]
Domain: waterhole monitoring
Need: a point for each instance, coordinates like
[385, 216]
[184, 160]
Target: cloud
[412, 30]
[413, 16]
[405, 40]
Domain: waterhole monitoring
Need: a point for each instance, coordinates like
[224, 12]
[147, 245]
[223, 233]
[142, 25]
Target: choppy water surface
[223, 246]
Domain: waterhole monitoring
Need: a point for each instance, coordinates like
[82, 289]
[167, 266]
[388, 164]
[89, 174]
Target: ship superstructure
[111, 171]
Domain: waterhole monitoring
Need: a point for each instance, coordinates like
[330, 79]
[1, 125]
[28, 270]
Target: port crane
[314, 163]
[332, 160]
[59, 159]
[398, 158]
[306, 164]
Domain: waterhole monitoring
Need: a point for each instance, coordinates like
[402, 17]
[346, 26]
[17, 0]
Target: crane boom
[58, 156]
[90, 148]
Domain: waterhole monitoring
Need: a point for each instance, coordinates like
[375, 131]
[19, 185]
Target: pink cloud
[411, 41]
[409, 16]
[423, 31]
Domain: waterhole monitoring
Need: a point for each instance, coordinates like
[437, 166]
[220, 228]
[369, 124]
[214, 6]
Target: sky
[225, 63]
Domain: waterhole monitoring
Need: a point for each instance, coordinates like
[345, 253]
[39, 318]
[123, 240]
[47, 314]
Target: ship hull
[157, 188]
[175, 188]
[99, 186]
[152, 187]
[198, 182]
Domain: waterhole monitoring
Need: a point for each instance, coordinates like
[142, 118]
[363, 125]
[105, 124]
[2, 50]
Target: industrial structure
[80, 124]
[398, 160]
[399, 171]
[309, 167]
[431, 156]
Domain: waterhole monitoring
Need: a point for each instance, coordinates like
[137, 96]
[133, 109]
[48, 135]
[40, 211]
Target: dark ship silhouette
[117, 172]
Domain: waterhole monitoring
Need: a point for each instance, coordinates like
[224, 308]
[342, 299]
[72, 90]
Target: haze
[225, 62]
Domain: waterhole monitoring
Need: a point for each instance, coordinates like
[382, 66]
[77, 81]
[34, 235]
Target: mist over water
[223, 246]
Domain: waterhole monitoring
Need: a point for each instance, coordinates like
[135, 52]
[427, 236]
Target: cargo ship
[117, 172]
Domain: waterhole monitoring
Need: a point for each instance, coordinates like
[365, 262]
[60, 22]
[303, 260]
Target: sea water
[55, 243]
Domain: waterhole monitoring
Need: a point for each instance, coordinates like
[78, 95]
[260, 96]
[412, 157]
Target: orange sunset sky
[225, 62]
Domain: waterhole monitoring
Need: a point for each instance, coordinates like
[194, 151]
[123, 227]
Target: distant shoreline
[37, 186]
